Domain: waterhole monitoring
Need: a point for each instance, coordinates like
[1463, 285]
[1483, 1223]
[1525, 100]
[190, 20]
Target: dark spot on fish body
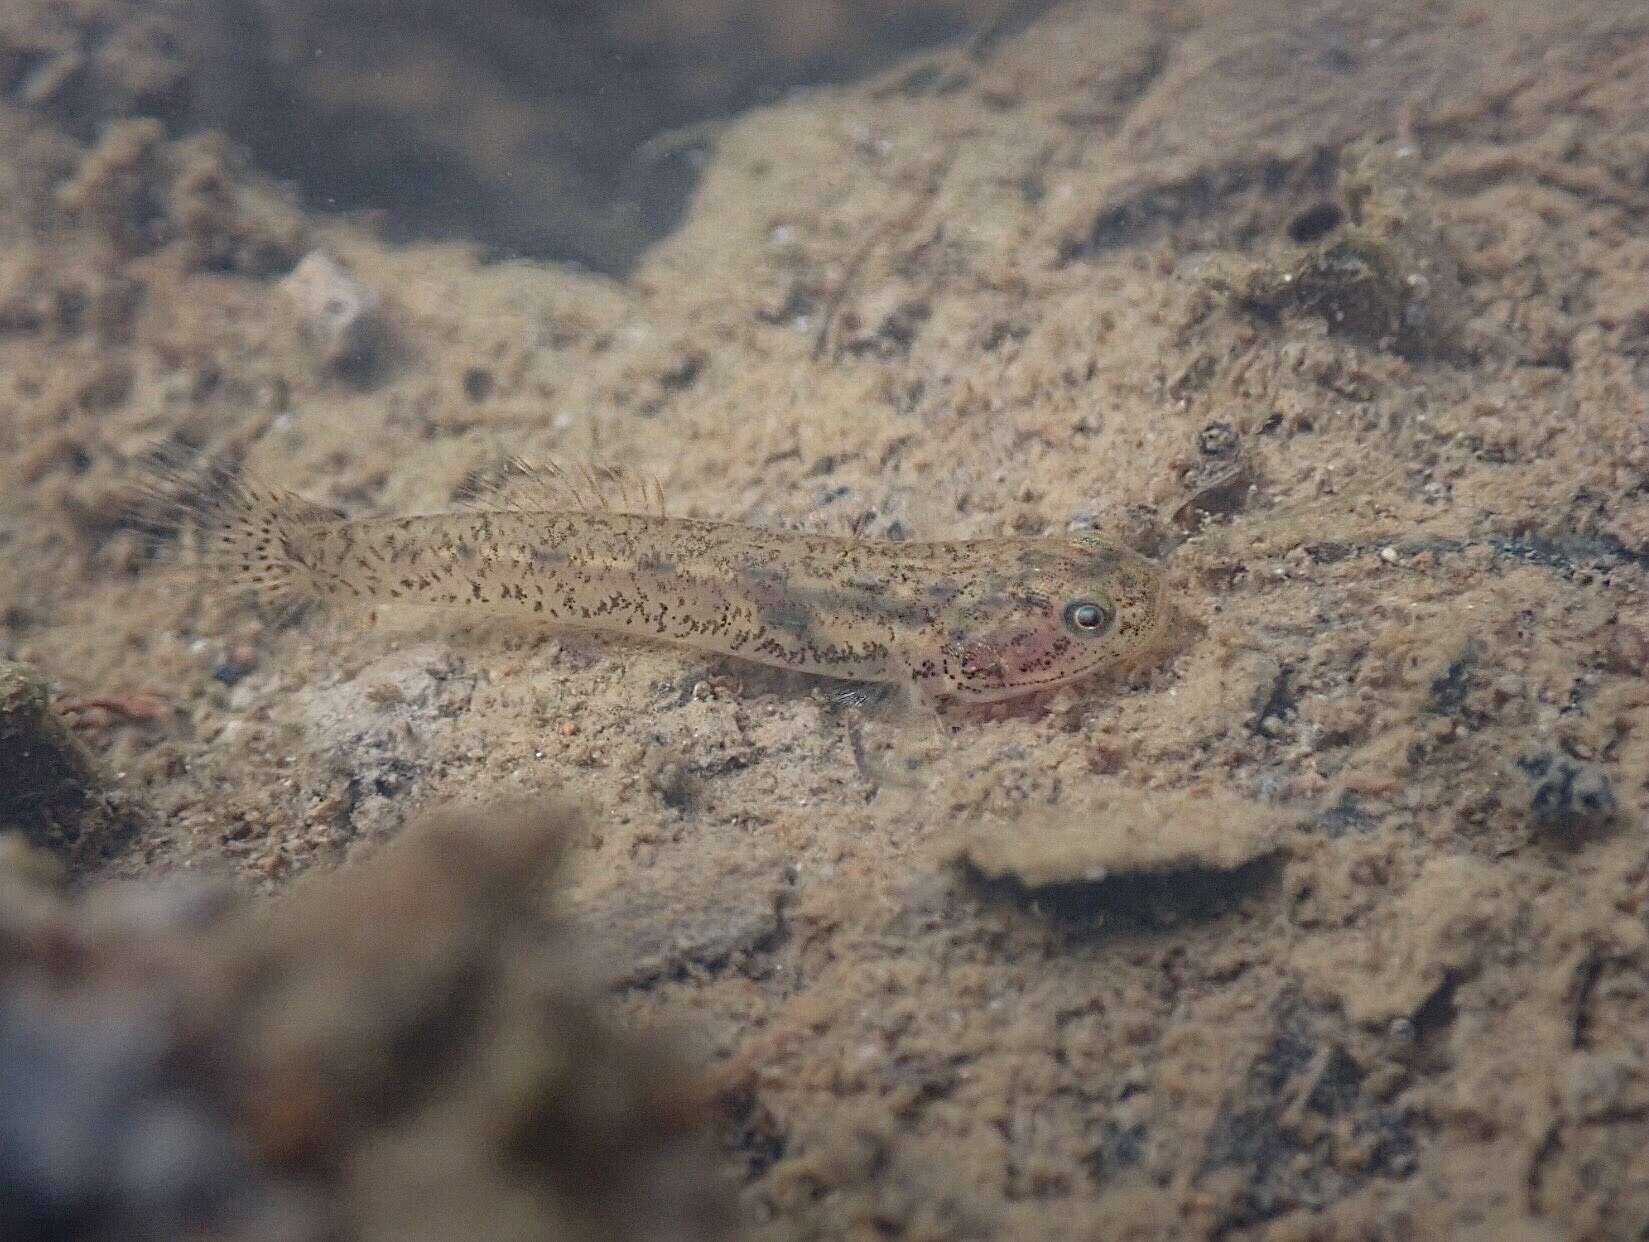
[538, 556]
[763, 576]
[896, 612]
[793, 618]
[1032, 601]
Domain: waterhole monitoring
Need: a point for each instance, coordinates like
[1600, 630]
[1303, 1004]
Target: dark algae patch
[51, 789]
[1302, 1131]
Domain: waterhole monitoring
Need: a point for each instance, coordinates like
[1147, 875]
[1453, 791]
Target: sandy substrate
[1333, 921]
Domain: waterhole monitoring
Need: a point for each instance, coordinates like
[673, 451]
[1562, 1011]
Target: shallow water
[1336, 312]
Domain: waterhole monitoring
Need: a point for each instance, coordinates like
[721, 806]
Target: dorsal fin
[545, 487]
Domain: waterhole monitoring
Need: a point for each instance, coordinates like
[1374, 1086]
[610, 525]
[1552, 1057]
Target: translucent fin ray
[546, 487]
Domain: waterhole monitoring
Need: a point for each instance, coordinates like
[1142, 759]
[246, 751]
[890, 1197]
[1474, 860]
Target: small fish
[961, 621]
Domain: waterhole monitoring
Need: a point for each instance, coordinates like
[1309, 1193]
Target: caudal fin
[246, 537]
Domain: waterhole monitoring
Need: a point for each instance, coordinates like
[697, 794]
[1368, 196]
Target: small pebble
[237, 661]
[337, 312]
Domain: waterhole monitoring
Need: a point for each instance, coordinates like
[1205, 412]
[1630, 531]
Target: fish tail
[248, 538]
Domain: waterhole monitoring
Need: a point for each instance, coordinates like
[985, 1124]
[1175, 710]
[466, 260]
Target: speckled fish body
[974, 620]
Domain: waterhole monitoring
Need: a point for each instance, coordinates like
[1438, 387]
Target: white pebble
[335, 310]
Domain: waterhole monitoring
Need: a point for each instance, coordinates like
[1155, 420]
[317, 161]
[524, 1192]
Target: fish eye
[1089, 618]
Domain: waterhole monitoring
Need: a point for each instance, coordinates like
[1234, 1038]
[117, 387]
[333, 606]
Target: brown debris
[1387, 278]
[408, 1049]
[138, 707]
[52, 790]
[1220, 480]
